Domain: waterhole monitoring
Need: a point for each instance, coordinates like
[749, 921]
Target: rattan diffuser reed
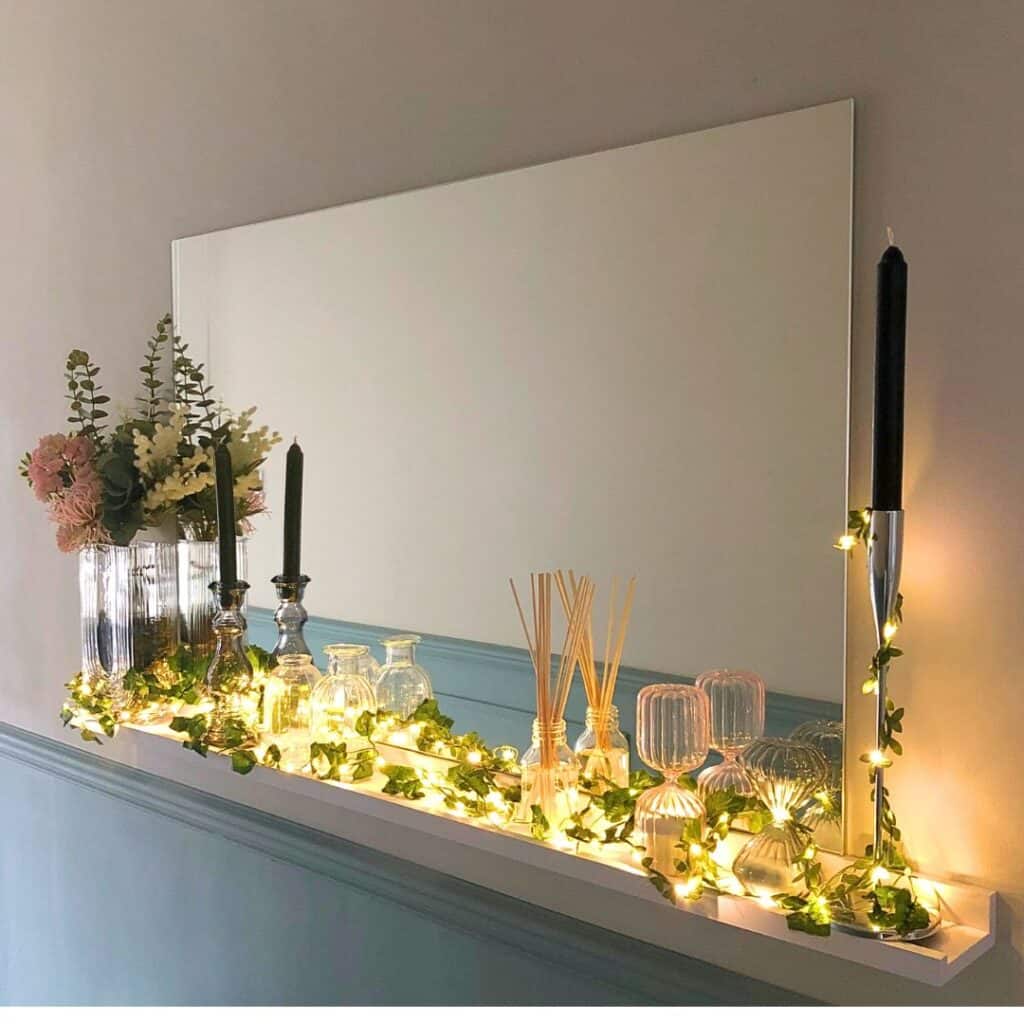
[551, 700]
[600, 688]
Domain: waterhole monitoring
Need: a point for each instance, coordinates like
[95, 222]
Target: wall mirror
[633, 362]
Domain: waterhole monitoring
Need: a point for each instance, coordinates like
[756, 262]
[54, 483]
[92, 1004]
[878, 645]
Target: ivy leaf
[800, 921]
[242, 761]
[539, 826]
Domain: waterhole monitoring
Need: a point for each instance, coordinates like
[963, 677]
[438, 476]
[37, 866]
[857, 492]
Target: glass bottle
[673, 733]
[287, 698]
[290, 616]
[198, 569]
[737, 719]
[229, 679]
[402, 685]
[785, 774]
[341, 696]
[549, 776]
[602, 750]
[369, 666]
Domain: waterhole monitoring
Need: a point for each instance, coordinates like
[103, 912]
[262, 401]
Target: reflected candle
[890, 359]
[225, 517]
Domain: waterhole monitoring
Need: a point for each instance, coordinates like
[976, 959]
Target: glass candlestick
[602, 750]
[737, 719]
[402, 685]
[286, 707]
[290, 616]
[785, 774]
[229, 680]
[673, 734]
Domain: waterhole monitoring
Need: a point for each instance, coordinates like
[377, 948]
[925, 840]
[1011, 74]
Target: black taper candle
[890, 360]
[292, 512]
[226, 517]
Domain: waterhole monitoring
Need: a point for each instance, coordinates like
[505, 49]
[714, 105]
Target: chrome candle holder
[885, 560]
[290, 616]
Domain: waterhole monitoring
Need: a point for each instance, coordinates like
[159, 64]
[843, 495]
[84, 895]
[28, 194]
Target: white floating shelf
[603, 887]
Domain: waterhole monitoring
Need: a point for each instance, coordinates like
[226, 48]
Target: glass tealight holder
[602, 750]
[341, 696]
[785, 774]
[402, 685]
[673, 734]
[549, 776]
[287, 701]
[737, 719]
[229, 685]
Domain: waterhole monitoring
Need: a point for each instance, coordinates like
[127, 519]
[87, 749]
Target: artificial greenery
[85, 396]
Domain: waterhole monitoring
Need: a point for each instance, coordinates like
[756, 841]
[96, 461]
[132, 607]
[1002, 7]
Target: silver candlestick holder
[290, 615]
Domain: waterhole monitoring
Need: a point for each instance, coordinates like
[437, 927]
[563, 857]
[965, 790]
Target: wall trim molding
[654, 975]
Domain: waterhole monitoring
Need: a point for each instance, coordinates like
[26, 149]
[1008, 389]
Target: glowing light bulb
[400, 738]
[474, 757]
[687, 888]
[847, 542]
[416, 728]
[379, 761]
[768, 902]
[889, 630]
[809, 852]
[723, 818]
[696, 849]
[780, 815]
[876, 757]
[879, 875]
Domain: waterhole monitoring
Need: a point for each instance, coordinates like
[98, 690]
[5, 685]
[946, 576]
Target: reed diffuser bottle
[550, 771]
[602, 750]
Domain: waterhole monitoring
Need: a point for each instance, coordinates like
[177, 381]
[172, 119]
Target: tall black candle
[292, 512]
[226, 517]
[890, 359]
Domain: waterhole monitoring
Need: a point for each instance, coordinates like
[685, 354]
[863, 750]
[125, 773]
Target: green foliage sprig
[149, 403]
[85, 396]
[191, 389]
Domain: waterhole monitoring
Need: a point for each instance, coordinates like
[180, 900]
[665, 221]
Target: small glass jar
[369, 666]
[402, 685]
[785, 774]
[341, 696]
[602, 750]
[549, 776]
[287, 697]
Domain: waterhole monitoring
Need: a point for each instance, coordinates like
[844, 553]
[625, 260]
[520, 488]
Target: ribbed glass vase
[198, 569]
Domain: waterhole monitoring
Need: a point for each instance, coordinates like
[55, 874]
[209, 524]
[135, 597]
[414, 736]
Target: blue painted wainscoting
[489, 689]
[121, 887]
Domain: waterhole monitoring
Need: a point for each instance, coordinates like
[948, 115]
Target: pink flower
[63, 474]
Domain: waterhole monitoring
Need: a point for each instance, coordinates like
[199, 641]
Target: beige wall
[125, 124]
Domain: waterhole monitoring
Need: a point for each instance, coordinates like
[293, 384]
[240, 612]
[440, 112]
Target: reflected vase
[737, 719]
[198, 570]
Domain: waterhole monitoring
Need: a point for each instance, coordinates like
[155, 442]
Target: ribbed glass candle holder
[737, 719]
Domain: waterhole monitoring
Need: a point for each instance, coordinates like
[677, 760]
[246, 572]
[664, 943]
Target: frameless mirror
[629, 363]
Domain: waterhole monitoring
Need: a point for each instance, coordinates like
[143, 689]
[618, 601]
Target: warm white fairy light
[686, 889]
[879, 875]
[847, 542]
[474, 757]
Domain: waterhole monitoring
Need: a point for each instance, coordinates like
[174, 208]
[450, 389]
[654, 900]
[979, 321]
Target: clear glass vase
[341, 696]
[673, 733]
[287, 703]
[549, 776]
[785, 774]
[229, 687]
[602, 750]
[198, 569]
[368, 665]
[737, 719]
[402, 685]
[129, 612]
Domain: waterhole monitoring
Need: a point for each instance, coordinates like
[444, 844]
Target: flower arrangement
[103, 485]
